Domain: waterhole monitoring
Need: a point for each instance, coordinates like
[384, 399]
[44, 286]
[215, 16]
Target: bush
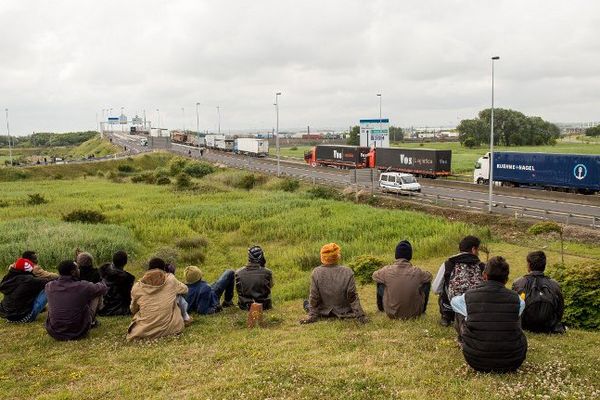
[323, 192]
[163, 180]
[545, 227]
[289, 185]
[199, 169]
[293, 148]
[308, 260]
[580, 285]
[176, 165]
[126, 168]
[85, 216]
[364, 266]
[36, 199]
[183, 181]
[193, 257]
[192, 243]
[146, 177]
[58, 177]
[246, 181]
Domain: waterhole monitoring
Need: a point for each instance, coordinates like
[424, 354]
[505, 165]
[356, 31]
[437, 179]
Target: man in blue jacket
[204, 298]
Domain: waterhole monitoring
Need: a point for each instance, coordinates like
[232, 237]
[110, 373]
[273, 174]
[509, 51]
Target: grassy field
[463, 159]
[217, 357]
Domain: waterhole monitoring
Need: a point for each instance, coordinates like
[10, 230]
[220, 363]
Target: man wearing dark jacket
[457, 274]
[254, 281]
[118, 298]
[72, 303]
[85, 261]
[544, 302]
[203, 298]
[24, 295]
[492, 338]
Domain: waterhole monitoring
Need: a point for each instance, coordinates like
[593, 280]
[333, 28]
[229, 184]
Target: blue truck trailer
[578, 173]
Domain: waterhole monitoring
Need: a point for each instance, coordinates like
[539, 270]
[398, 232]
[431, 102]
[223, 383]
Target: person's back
[544, 302]
[70, 313]
[118, 298]
[332, 283]
[254, 281]
[154, 306]
[201, 298]
[20, 289]
[492, 338]
[87, 272]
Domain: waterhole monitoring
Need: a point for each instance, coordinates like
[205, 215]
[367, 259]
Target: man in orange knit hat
[332, 289]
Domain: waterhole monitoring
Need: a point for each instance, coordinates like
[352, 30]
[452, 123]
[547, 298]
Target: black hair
[119, 259]
[30, 255]
[497, 269]
[66, 268]
[537, 261]
[157, 263]
[468, 243]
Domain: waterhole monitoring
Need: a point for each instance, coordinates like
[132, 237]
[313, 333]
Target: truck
[576, 173]
[210, 140]
[339, 156]
[251, 146]
[224, 144]
[421, 162]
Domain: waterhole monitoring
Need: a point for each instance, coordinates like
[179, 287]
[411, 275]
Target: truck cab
[481, 173]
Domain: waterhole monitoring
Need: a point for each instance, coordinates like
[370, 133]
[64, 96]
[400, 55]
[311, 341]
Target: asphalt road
[526, 206]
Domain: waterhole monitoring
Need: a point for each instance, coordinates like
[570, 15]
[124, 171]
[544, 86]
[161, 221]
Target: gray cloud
[64, 61]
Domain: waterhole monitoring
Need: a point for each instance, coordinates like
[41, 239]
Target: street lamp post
[380, 130]
[183, 115]
[219, 118]
[9, 139]
[491, 167]
[197, 119]
[277, 131]
[158, 121]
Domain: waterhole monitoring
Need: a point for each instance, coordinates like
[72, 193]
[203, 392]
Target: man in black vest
[492, 338]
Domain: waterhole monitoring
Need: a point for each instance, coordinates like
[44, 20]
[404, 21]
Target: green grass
[218, 357]
[96, 146]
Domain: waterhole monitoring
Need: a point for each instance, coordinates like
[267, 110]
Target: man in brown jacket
[402, 290]
[333, 290]
[154, 304]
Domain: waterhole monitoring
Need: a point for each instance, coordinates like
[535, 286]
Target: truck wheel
[480, 181]
[313, 164]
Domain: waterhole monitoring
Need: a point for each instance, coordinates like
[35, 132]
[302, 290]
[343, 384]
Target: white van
[396, 182]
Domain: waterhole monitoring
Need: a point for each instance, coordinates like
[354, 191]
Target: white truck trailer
[252, 147]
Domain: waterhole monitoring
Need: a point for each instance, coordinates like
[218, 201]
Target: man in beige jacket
[402, 290]
[154, 304]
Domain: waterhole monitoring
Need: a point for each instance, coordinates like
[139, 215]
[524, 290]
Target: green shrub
[199, 169]
[193, 256]
[168, 254]
[289, 185]
[324, 192]
[308, 260]
[85, 216]
[545, 227]
[580, 285]
[176, 165]
[364, 266]
[36, 199]
[192, 243]
[100, 174]
[126, 168]
[246, 181]
[183, 181]
[163, 180]
[144, 177]
[58, 177]
[294, 148]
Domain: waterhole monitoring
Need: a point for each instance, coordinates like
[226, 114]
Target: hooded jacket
[118, 298]
[20, 289]
[154, 306]
[333, 293]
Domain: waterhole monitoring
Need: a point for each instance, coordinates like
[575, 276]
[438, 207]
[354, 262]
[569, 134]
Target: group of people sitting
[487, 316]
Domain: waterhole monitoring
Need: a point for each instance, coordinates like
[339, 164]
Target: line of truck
[248, 146]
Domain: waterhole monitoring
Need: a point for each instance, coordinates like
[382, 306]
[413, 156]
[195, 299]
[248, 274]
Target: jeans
[424, 289]
[380, 290]
[225, 284]
[38, 306]
[183, 306]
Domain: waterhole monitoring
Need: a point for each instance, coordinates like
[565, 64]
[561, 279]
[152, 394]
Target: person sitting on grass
[492, 338]
[254, 281]
[31, 257]
[119, 282]
[332, 290]
[204, 298]
[85, 261]
[157, 304]
[72, 303]
[24, 295]
[402, 290]
[544, 301]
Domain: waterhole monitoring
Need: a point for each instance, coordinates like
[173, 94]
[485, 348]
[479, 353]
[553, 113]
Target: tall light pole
[380, 130]
[9, 138]
[197, 119]
[491, 168]
[183, 114]
[277, 130]
[219, 118]
[158, 121]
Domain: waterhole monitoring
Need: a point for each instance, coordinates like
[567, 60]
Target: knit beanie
[256, 256]
[85, 260]
[24, 265]
[404, 250]
[192, 274]
[330, 254]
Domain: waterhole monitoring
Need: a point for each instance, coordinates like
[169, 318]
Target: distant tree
[511, 128]
[396, 134]
[595, 131]
[354, 139]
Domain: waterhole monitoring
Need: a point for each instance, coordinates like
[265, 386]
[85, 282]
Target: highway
[532, 204]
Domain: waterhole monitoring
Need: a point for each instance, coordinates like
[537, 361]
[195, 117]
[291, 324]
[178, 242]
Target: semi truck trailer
[251, 146]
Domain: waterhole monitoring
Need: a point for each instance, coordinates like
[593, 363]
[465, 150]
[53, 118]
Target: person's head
[157, 263]
[256, 256]
[119, 259]
[497, 269]
[331, 254]
[536, 261]
[85, 260]
[68, 268]
[469, 244]
[192, 274]
[30, 255]
[404, 250]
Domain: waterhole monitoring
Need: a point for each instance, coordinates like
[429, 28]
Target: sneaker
[227, 304]
[445, 322]
[188, 322]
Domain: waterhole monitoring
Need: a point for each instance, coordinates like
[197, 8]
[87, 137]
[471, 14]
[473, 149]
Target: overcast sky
[61, 62]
